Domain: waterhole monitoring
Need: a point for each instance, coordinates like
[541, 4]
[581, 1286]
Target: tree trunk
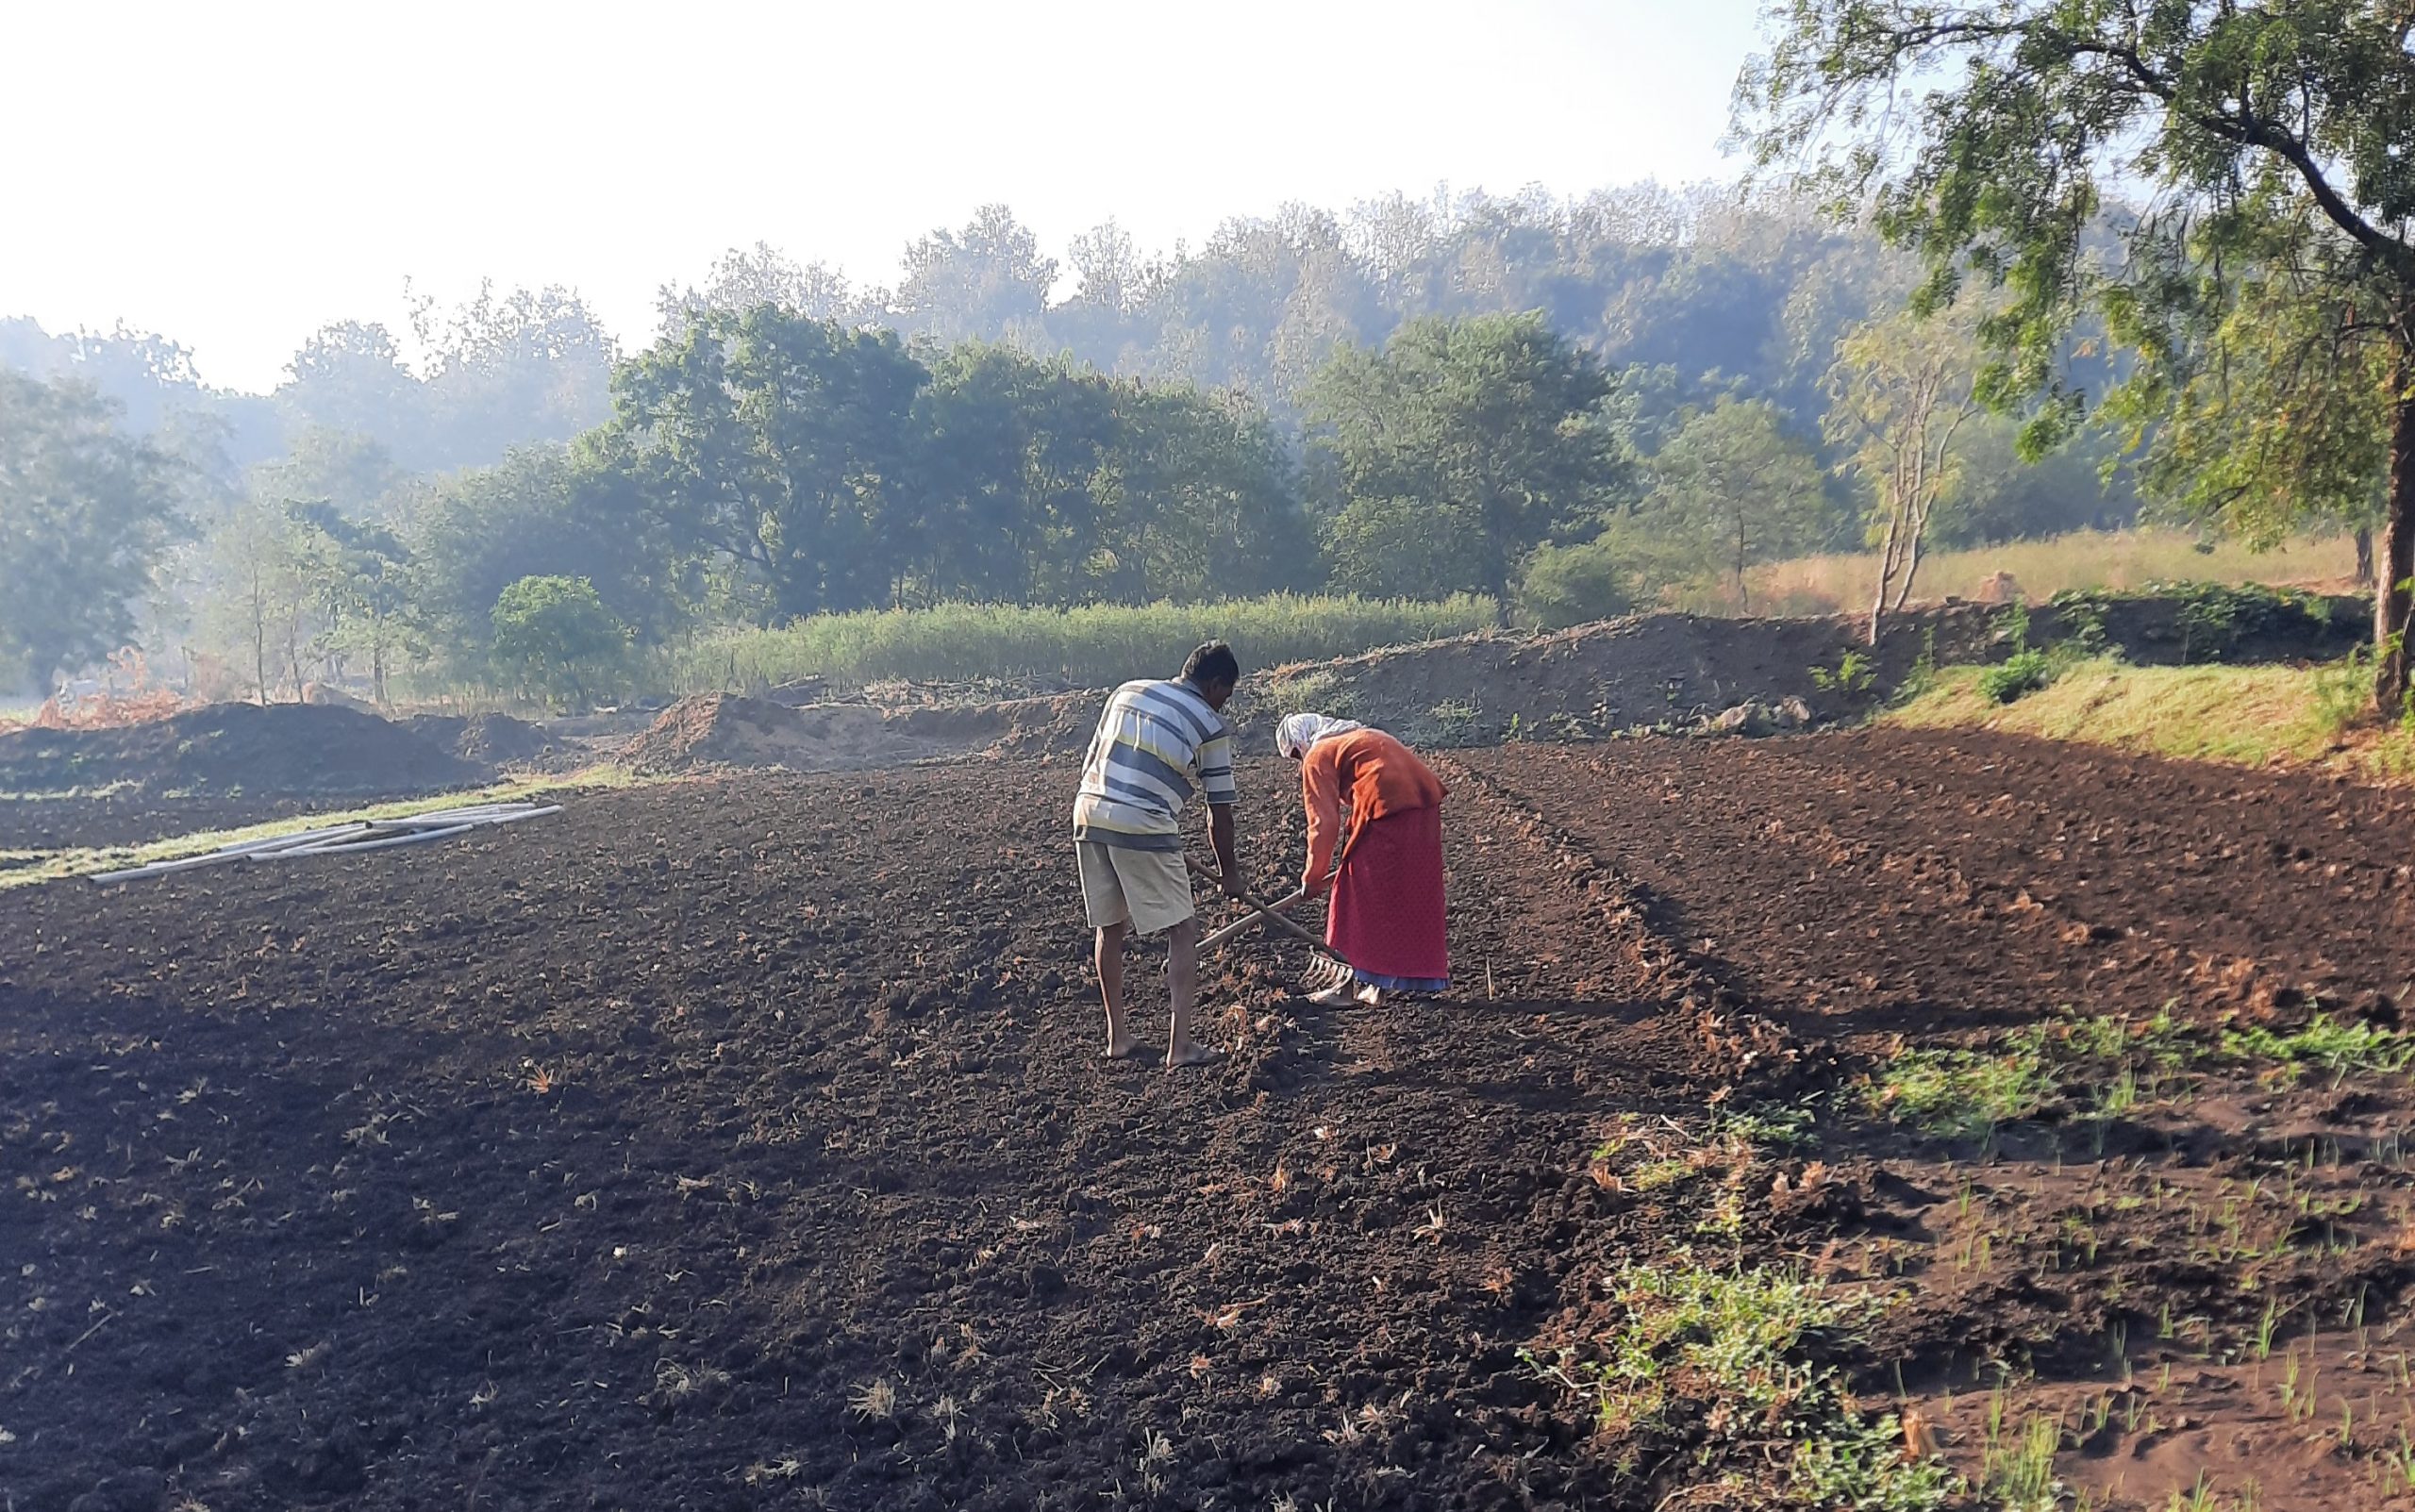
[259, 645]
[2397, 554]
[1885, 567]
[1918, 531]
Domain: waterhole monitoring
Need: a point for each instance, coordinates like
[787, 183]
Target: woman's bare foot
[1191, 1054]
[1332, 997]
[1371, 995]
[1121, 1049]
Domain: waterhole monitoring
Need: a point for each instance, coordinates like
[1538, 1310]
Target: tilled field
[745, 1144]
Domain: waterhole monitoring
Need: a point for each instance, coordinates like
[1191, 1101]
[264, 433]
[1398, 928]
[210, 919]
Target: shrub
[2024, 672]
[556, 639]
[1573, 585]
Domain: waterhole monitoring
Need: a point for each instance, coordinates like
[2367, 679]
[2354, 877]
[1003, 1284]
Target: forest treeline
[1566, 406]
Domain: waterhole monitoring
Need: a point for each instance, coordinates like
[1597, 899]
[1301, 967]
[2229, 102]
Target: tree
[1902, 390]
[2256, 412]
[360, 574]
[1196, 499]
[352, 473]
[509, 370]
[1490, 435]
[1737, 486]
[348, 379]
[86, 513]
[542, 511]
[761, 275]
[256, 592]
[780, 444]
[988, 281]
[555, 636]
[2264, 132]
[1009, 452]
[1575, 585]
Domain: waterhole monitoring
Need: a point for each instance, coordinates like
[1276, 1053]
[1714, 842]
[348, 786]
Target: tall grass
[1091, 646]
[1843, 582]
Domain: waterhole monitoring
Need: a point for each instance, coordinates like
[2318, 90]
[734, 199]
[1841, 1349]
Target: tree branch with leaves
[2231, 119]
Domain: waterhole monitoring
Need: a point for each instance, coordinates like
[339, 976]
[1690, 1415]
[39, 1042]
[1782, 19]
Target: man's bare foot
[1120, 1050]
[1332, 997]
[1192, 1054]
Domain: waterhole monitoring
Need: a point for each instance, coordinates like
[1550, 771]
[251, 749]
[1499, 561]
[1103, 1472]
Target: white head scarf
[1300, 731]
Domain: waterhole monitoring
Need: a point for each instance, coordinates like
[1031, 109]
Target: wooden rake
[1264, 913]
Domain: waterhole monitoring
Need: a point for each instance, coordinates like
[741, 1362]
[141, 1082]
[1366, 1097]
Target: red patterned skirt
[1386, 918]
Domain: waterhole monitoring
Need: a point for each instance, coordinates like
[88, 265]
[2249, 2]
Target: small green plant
[1922, 675]
[1774, 1125]
[2273, 1313]
[1698, 1352]
[1963, 1093]
[554, 639]
[2018, 1469]
[2343, 692]
[2335, 1046]
[2013, 626]
[1854, 674]
[1454, 720]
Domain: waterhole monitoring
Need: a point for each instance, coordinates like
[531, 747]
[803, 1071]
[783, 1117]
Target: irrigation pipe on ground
[343, 840]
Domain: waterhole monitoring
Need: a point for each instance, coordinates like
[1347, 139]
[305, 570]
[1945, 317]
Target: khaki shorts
[1151, 889]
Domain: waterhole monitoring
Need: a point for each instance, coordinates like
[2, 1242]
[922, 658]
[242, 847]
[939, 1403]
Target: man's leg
[1108, 956]
[1182, 985]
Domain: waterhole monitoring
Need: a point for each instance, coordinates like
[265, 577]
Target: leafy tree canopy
[86, 512]
[2267, 146]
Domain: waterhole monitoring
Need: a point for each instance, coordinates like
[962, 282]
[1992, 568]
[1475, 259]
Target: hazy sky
[235, 174]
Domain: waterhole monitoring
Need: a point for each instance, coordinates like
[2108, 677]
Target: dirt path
[745, 1144]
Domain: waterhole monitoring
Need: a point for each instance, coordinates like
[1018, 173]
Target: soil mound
[1029, 727]
[1681, 672]
[725, 730]
[490, 739]
[1657, 670]
[234, 748]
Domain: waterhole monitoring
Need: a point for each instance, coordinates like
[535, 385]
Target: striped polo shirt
[1156, 744]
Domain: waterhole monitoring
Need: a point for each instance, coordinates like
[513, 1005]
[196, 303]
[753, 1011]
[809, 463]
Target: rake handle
[1264, 913]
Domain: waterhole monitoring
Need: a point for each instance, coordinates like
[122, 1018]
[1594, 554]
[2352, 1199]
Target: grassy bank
[2245, 716]
[2084, 559]
[1094, 645]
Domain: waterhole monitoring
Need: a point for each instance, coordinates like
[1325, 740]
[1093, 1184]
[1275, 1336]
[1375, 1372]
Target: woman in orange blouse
[1386, 918]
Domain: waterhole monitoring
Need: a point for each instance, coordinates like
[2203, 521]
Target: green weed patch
[1721, 1366]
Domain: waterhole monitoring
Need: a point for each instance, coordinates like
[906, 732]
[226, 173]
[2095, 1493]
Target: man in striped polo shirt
[1157, 743]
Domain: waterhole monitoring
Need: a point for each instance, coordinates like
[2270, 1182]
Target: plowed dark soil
[745, 1143]
[1890, 881]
